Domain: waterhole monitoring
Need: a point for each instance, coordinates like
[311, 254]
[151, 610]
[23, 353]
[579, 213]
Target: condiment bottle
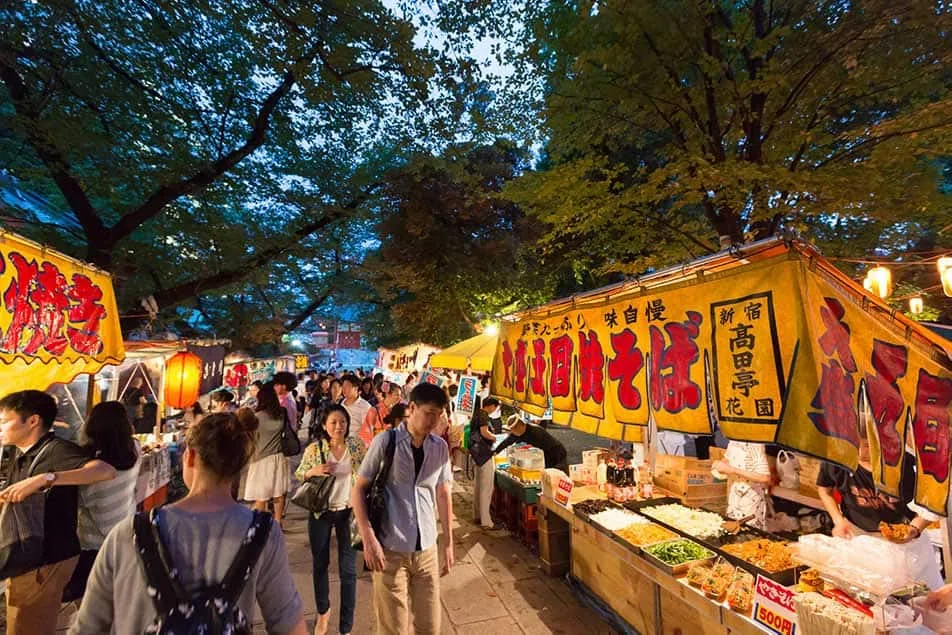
[647, 485]
[601, 475]
[610, 480]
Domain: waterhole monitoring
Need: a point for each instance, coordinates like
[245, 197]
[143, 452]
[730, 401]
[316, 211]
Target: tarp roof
[476, 353]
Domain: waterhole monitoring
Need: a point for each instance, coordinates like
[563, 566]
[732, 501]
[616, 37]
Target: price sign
[773, 607]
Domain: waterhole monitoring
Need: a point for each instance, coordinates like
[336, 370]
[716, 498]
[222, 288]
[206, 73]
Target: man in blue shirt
[405, 559]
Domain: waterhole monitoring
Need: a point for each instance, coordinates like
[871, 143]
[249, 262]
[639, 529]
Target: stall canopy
[476, 353]
[58, 317]
[769, 342]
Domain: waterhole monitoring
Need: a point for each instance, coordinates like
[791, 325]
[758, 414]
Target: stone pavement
[495, 588]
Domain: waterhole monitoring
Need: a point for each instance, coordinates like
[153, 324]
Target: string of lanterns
[878, 281]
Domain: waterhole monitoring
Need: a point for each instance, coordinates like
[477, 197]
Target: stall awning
[475, 353]
[769, 342]
[58, 317]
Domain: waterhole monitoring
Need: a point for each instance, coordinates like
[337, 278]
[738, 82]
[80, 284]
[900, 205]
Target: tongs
[733, 526]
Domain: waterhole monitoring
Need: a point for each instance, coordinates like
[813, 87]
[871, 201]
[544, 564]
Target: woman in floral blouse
[335, 454]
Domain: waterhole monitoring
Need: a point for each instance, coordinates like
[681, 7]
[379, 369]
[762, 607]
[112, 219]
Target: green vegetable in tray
[678, 552]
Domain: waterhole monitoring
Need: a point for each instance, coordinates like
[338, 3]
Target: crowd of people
[135, 572]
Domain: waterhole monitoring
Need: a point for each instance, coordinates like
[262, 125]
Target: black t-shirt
[862, 505]
[59, 524]
[417, 465]
[537, 437]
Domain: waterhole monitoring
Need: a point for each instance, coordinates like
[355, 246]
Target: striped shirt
[102, 505]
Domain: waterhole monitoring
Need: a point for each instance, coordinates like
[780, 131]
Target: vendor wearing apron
[863, 507]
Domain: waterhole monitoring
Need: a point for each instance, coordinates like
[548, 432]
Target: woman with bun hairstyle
[338, 455]
[202, 534]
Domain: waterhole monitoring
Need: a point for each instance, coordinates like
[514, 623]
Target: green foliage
[452, 250]
[670, 123]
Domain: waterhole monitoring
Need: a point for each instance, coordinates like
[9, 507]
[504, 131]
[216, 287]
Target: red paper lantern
[183, 378]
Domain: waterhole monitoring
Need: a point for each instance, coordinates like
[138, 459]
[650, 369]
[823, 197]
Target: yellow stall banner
[58, 317]
[774, 351]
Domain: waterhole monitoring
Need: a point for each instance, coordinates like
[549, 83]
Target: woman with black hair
[338, 455]
[107, 436]
[268, 477]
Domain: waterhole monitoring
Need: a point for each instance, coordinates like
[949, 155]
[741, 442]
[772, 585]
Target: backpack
[209, 610]
[479, 448]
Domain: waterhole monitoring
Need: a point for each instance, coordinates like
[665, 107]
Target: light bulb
[915, 305]
[880, 279]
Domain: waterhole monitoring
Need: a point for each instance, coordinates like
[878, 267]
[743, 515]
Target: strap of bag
[384, 473]
[156, 563]
[246, 559]
[320, 448]
[36, 459]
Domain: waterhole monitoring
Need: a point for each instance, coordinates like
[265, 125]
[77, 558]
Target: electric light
[880, 282]
[492, 329]
[183, 379]
[947, 282]
[915, 305]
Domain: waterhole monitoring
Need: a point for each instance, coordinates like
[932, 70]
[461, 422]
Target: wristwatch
[49, 479]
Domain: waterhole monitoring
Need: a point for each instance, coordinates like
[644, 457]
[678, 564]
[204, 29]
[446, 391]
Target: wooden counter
[647, 598]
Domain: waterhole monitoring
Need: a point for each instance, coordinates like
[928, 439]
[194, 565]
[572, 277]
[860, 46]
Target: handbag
[376, 496]
[22, 530]
[314, 494]
[290, 443]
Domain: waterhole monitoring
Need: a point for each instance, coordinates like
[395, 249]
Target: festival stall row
[768, 344]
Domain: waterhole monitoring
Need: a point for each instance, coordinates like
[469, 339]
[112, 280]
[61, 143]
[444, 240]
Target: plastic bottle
[632, 485]
[610, 480]
[601, 475]
[647, 485]
[621, 491]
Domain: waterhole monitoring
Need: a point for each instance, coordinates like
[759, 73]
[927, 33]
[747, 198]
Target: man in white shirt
[355, 405]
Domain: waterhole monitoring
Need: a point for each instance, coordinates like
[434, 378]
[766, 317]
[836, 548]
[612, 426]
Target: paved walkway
[496, 587]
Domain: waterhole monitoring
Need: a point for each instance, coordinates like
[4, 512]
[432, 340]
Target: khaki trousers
[408, 576]
[33, 599]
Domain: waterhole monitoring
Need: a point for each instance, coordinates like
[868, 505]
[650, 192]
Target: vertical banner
[213, 367]
[466, 396]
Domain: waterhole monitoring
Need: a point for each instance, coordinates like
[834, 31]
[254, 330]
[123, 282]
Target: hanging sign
[58, 317]
[301, 362]
[774, 608]
[466, 395]
[213, 367]
[773, 351]
[428, 377]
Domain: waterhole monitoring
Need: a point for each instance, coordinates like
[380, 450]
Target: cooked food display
[895, 533]
[615, 519]
[695, 522]
[593, 506]
[698, 573]
[769, 555]
[645, 534]
[740, 594]
[717, 581]
[678, 552]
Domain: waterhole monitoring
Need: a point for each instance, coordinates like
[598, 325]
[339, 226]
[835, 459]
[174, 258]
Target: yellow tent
[475, 353]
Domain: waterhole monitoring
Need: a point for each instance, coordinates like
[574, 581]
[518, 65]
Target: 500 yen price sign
[773, 607]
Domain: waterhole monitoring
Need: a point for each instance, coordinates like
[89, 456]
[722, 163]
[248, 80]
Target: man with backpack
[34, 595]
[402, 549]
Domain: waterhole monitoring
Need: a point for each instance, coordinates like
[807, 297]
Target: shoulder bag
[290, 443]
[376, 496]
[314, 494]
[22, 529]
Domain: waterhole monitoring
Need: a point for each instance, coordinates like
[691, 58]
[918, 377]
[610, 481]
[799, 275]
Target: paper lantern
[880, 282]
[947, 282]
[183, 379]
[944, 264]
[915, 305]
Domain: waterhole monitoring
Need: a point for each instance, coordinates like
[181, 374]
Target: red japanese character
[537, 379]
[625, 366]
[671, 385]
[522, 369]
[560, 381]
[37, 299]
[591, 366]
[836, 339]
[87, 312]
[890, 362]
[931, 424]
[507, 360]
[834, 400]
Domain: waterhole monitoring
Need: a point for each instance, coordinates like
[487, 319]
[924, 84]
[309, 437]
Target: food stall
[397, 363]
[771, 344]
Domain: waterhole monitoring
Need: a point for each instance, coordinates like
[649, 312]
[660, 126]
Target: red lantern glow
[183, 378]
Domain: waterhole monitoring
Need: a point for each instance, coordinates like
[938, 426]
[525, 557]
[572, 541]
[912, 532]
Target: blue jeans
[319, 533]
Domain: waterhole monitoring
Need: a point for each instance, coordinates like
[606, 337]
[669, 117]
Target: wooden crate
[687, 477]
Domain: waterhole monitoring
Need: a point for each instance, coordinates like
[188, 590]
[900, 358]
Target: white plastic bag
[788, 470]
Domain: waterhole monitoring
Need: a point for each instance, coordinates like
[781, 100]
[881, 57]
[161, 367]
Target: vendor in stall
[749, 473]
[863, 508]
[522, 432]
